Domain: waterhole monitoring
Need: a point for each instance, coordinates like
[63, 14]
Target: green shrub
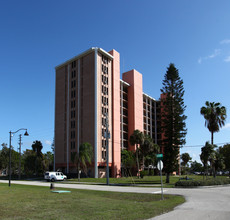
[195, 183]
[143, 173]
[151, 173]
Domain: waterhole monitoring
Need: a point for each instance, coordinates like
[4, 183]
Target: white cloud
[48, 142]
[216, 53]
[227, 59]
[226, 126]
[226, 41]
[211, 56]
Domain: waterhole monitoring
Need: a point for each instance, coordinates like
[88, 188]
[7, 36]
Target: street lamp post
[11, 133]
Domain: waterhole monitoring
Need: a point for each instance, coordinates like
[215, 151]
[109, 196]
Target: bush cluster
[146, 173]
[195, 183]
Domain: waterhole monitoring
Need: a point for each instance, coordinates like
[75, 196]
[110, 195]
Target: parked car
[219, 173]
[54, 176]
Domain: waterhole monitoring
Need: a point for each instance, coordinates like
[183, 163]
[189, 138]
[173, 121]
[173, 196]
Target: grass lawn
[147, 180]
[34, 202]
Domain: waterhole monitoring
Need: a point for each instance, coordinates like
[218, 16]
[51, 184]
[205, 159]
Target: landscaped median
[197, 183]
[154, 181]
[33, 202]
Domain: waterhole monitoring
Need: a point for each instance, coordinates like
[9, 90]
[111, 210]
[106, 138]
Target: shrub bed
[196, 183]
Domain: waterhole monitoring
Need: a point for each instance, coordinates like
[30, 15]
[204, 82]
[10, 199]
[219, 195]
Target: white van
[54, 176]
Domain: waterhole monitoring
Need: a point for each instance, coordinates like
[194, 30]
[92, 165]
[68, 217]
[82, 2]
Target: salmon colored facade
[135, 102]
[116, 163]
[88, 89]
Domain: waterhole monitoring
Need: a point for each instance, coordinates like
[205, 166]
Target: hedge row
[146, 173]
[195, 183]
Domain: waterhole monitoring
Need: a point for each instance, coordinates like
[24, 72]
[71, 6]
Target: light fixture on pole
[11, 133]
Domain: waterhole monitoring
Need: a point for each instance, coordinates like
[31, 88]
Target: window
[73, 145]
[72, 134]
[73, 114]
[74, 64]
[72, 104]
[72, 124]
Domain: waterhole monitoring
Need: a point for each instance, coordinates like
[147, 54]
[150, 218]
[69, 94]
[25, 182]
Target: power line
[202, 145]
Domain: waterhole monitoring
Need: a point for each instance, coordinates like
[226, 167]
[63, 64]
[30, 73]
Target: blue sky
[36, 36]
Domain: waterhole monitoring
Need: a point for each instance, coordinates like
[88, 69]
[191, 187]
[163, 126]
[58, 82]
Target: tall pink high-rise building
[88, 87]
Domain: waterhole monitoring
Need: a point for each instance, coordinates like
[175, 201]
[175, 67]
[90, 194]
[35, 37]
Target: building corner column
[95, 119]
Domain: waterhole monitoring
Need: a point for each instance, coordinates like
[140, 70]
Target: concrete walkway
[201, 203]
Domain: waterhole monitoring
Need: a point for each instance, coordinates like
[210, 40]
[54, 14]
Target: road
[201, 203]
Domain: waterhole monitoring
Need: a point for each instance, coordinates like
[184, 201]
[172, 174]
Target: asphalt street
[201, 203]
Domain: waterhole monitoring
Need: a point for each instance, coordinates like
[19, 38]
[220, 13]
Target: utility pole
[20, 147]
[10, 160]
[107, 149]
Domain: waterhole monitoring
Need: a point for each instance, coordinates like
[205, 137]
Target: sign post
[160, 167]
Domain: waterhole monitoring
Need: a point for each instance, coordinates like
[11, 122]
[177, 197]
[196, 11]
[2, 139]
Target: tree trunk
[138, 168]
[214, 171]
[78, 170]
[143, 161]
[167, 177]
[212, 137]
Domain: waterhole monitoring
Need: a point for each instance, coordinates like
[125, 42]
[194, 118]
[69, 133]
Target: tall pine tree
[173, 125]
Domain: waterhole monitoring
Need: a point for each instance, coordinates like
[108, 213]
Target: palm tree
[84, 156]
[214, 115]
[148, 148]
[208, 155]
[37, 148]
[185, 158]
[137, 138]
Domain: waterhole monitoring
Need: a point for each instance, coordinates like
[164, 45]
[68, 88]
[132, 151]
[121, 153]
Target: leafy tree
[185, 159]
[29, 158]
[48, 160]
[148, 151]
[128, 161]
[39, 163]
[214, 115]
[84, 156]
[219, 160]
[137, 138]
[225, 151]
[4, 157]
[14, 161]
[196, 167]
[173, 124]
[208, 155]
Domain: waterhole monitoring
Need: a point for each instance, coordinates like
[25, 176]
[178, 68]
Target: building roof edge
[83, 54]
[149, 96]
[124, 82]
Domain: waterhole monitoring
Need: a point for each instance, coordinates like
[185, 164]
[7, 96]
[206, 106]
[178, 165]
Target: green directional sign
[159, 156]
